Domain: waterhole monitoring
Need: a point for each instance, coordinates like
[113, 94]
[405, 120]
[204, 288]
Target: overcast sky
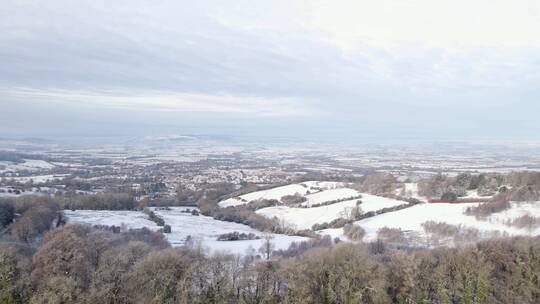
[347, 69]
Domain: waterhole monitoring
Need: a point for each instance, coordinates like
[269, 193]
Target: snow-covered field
[305, 218]
[207, 229]
[518, 210]
[474, 194]
[411, 219]
[127, 219]
[29, 164]
[201, 228]
[274, 193]
[38, 178]
[279, 192]
[329, 195]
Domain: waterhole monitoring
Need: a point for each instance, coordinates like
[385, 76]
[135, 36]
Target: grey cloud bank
[265, 68]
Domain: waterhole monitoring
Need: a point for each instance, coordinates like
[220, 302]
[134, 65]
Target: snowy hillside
[200, 228]
[329, 195]
[279, 192]
[305, 218]
[411, 219]
[28, 164]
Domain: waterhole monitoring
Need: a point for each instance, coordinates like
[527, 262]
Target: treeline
[448, 187]
[498, 203]
[78, 264]
[517, 186]
[26, 218]
[377, 184]
[98, 201]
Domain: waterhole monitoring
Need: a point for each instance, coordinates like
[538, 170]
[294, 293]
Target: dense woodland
[78, 264]
[43, 260]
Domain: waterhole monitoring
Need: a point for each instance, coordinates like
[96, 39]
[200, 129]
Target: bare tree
[267, 247]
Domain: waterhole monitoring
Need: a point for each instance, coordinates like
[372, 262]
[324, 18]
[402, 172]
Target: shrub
[167, 229]
[449, 196]
[297, 248]
[236, 236]
[293, 199]
[442, 229]
[354, 232]
[154, 217]
[391, 235]
[496, 204]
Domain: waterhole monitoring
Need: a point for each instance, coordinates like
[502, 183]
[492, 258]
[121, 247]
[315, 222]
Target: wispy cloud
[165, 101]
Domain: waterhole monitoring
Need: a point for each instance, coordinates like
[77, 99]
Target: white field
[274, 193]
[411, 219]
[305, 218]
[201, 228]
[207, 229]
[38, 178]
[329, 195]
[474, 194]
[278, 192]
[29, 164]
[518, 210]
[131, 219]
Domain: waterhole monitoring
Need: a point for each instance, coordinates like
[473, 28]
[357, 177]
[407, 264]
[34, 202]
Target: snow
[201, 228]
[38, 178]
[292, 189]
[323, 184]
[518, 210]
[28, 164]
[374, 202]
[131, 219]
[474, 194]
[410, 190]
[207, 229]
[411, 219]
[329, 195]
[274, 193]
[305, 218]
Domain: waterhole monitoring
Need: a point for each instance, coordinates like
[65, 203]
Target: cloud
[164, 101]
[447, 24]
[349, 65]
